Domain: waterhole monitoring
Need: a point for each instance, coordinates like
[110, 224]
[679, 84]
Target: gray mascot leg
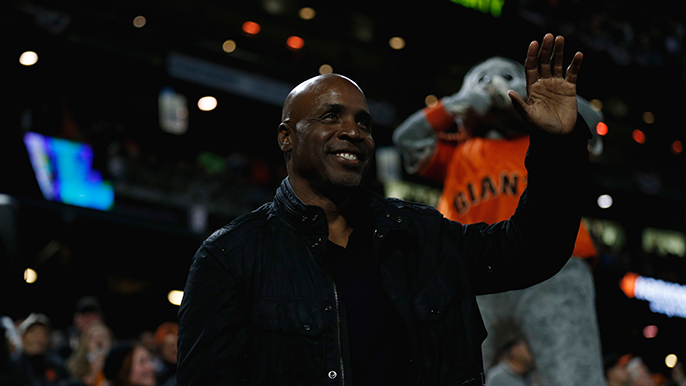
[558, 320]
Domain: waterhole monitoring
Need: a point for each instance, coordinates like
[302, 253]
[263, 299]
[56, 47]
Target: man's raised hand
[551, 103]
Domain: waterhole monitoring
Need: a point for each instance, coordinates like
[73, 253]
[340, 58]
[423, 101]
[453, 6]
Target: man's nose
[351, 130]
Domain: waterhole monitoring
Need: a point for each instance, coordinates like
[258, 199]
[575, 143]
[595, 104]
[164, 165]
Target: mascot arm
[416, 138]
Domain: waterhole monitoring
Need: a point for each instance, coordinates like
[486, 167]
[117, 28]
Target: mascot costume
[474, 143]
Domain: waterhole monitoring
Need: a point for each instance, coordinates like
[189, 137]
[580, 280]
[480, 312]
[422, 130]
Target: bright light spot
[28, 58]
[638, 136]
[605, 201]
[175, 297]
[431, 100]
[251, 28]
[5, 199]
[295, 42]
[663, 297]
[207, 103]
[397, 43]
[670, 360]
[596, 104]
[601, 128]
[30, 276]
[677, 147]
[648, 117]
[229, 46]
[139, 21]
[325, 69]
[307, 13]
[650, 331]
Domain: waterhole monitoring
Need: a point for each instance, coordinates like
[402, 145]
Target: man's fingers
[544, 55]
[574, 67]
[558, 50]
[531, 64]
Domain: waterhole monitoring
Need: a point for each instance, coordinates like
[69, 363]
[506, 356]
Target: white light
[28, 58]
[605, 201]
[664, 297]
[175, 297]
[30, 276]
[5, 199]
[207, 103]
[670, 360]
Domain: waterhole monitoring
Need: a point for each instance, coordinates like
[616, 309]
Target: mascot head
[483, 108]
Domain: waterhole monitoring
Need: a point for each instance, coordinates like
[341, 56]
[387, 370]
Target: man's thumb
[519, 104]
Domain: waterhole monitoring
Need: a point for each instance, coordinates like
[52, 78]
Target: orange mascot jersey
[483, 178]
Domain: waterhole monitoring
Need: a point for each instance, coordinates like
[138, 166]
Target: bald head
[326, 133]
[313, 86]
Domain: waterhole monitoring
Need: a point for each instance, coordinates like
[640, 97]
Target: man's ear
[284, 137]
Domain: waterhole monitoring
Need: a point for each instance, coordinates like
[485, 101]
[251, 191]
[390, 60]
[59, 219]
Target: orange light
[251, 28]
[295, 43]
[431, 100]
[677, 147]
[628, 284]
[601, 128]
[638, 136]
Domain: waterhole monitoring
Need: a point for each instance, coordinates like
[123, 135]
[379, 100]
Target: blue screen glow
[64, 172]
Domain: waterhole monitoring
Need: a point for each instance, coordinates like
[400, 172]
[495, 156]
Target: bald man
[330, 284]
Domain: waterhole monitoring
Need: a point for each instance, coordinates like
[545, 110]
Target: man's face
[329, 134]
[36, 340]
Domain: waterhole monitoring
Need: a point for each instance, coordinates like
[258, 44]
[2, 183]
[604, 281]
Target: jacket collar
[295, 213]
[369, 207]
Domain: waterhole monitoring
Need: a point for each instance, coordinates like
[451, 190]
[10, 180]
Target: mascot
[474, 143]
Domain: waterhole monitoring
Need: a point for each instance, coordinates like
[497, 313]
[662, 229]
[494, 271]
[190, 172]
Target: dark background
[97, 81]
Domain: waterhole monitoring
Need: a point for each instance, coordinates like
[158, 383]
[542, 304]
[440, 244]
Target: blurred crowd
[644, 34]
[86, 353]
[516, 367]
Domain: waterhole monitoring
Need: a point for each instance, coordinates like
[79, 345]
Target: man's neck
[333, 206]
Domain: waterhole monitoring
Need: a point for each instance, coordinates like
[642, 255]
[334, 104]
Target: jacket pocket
[449, 328]
[299, 316]
[433, 298]
[287, 341]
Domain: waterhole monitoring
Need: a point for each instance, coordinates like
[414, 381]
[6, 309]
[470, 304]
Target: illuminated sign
[494, 7]
[64, 172]
[664, 297]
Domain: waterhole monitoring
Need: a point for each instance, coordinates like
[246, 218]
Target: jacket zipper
[338, 316]
[338, 329]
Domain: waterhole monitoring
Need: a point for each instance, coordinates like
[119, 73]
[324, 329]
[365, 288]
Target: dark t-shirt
[377, 335]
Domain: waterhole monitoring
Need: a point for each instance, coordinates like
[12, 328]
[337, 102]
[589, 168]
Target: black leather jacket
[260, 305]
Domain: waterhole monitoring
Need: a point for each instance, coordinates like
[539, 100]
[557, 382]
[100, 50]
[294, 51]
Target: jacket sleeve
[536, 242]
[212, 322]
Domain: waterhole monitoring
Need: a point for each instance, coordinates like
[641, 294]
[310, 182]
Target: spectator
[514, 367]
[640, 373]
[43, 368]
[87, 310]
[129, 364]
[10, 348]
[165, 340]
[616, 371]
[85, 365]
